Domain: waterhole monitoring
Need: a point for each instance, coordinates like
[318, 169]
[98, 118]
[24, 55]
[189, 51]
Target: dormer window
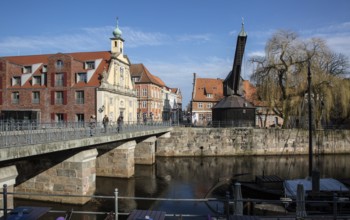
[16, 81]
[44, 70]
[27, 69]
[59, 63]
[81, 77]
[36, 80]
[90, 65]
[209, 95]
[135, 79]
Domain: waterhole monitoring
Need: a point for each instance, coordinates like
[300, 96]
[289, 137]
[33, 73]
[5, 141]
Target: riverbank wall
[192, 141]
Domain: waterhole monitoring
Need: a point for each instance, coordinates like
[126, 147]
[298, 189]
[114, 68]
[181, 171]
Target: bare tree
[281, 77]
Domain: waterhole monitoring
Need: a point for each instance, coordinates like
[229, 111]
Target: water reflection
[192, 177]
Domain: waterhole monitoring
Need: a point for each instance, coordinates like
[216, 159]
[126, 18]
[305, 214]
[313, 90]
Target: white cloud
[199, 38]
[256, 53]
[337, 36]
[138, 38]
[340, 44]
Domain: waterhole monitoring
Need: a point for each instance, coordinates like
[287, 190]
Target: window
[35, 97]
[90, 65]
[16, 81]
[81, 77]
[122, 76]
[27, 69]
[59, 64]
[138, 92]
[59, 77]
[144, 92]
[209, 95]
[15, 97]
[59, 117]
[36, 80]
[135, 79]
[59, 97]
[144, 104]
[44, 70]
[209, 105]
[79, 97]
[201, 117]
[79, 117]
[130, 104]
[111, 101]
[209, 117]
[200, 105]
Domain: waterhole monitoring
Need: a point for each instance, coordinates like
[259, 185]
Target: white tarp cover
[326, 184]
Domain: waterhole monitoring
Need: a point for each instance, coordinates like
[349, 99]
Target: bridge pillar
[164, 147]
[118, 161]
[8, 176]
[74, 176]
[145, 151]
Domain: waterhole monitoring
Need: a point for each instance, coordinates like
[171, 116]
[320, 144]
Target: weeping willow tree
[281, 79]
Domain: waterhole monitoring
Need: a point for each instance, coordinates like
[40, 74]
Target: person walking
[120, 123]
[92, 124]
[105, 122]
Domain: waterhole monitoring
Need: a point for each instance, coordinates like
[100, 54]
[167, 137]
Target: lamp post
[310, 117]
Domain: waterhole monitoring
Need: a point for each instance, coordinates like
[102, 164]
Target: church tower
[117, 42]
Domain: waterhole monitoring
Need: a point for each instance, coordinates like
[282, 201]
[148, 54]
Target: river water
[192, 178]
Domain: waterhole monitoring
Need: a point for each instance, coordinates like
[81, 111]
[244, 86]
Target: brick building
[68, 87]
[206, 93]
[156, 101]
[149, 89]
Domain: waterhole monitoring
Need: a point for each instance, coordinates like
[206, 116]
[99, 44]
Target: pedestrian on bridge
[92, 124]
[120, 123]
[105, 122]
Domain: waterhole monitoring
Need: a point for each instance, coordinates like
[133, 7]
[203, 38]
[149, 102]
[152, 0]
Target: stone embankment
[190, 141]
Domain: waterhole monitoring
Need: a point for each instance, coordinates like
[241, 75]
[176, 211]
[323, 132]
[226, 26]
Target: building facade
[150, 94]
[156, 101]
[68, 87]
[206, 93]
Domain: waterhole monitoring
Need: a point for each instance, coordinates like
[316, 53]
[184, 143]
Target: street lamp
[310, 117]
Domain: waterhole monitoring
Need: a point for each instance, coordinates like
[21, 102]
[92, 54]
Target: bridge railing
[37, 133]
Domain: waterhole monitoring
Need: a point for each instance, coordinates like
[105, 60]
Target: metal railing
[228, 206]
[29, 133]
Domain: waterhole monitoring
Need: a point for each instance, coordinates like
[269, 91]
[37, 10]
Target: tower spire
[242, 33]
[117, 32]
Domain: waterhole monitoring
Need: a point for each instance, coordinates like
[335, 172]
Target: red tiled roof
[174, 90]
[204, 86]
[141, 71]
[250, 93]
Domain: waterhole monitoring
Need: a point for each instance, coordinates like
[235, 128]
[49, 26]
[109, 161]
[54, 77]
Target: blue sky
[173, 39]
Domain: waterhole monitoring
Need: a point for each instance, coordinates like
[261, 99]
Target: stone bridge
[70, 166]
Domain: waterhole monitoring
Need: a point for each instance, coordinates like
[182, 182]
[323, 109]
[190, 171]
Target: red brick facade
[50, 90]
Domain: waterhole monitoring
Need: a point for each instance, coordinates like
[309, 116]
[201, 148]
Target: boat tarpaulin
[326, 184]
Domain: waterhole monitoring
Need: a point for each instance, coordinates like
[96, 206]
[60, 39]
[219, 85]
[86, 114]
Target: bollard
[4, 196]
[116, 203]
[334, 206]
[228, 204]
